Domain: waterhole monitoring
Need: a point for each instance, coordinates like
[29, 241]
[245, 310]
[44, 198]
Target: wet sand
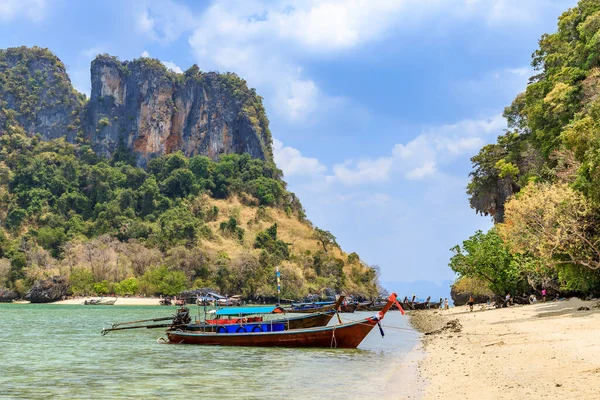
[546, 350]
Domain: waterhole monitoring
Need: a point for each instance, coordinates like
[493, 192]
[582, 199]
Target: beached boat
[165, 302]
[100, 302]
[348, 307]
[319, 306]
[363, 305]
[348, 335]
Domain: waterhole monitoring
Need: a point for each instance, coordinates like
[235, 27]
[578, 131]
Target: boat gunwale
[369, 321]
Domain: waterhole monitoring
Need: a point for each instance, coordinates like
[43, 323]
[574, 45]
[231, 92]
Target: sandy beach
[121, 301]
[546, 350]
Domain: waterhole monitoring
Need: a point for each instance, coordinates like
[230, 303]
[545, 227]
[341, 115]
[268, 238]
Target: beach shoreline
[546, 350]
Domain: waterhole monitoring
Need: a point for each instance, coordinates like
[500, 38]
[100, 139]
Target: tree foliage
[554, 222]
[484, 256]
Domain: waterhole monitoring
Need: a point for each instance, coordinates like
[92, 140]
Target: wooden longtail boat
[363, 305]
[100, 302]
[348, 307]
[310, 308]
[182, 321]
[348, 335]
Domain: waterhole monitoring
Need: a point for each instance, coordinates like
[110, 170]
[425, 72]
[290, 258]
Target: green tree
[325, 238]
[127, 286]
[484, 256]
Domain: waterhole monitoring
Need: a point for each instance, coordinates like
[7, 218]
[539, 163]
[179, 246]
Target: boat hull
[347, 336]
[348, 308]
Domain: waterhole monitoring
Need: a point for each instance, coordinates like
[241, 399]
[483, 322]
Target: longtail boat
[363, 305]
[244, 319]
[348, 335]
[311, 307]
[100, 302]
[348, 307]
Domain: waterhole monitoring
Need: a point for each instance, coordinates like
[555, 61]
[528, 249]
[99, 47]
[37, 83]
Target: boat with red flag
[346, 335]
[233, 319]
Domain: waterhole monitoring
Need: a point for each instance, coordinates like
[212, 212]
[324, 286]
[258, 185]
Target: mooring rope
[333, 339]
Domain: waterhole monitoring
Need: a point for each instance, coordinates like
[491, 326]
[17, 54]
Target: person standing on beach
[544, 295]
[508, 299]
[446, 304]
[471, 302]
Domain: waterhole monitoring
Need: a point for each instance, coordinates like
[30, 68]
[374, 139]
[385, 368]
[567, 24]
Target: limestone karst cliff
[154, 111]
[138, 104]
[37, 95]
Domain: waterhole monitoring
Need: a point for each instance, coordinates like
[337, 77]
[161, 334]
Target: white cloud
[172, 66]
[163, 21]
[352, 173]
[427, 169]
[266, 42]
[293, 163]
[169, 64]
[420, 157]
[34, 10]
[522, 71]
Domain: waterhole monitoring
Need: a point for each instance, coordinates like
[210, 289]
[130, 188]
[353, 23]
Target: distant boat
[211, 298]
[100, 302]
[348, 335]
[318, 306]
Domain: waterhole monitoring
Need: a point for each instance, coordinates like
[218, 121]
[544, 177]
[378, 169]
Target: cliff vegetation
[75, 202]
[540, 180]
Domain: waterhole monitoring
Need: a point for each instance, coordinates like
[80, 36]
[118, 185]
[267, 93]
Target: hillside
[540, 180]
[185, 220]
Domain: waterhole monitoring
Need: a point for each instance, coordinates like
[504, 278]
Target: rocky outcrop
[36, 94]
[7, 295]
[491, 201]
[460, 298]
[48, 290]
[139, 105]
[153, 111]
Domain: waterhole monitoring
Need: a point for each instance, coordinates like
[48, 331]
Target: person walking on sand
[446, 304]
[471, 302]
[544, 295]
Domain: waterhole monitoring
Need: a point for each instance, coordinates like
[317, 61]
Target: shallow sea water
[56, 351]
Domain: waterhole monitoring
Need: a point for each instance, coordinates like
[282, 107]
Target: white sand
[548, 350]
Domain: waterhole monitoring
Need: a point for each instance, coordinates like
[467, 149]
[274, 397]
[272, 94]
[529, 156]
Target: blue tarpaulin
[245, 310]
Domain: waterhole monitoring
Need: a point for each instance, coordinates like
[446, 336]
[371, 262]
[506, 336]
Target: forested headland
[109, 226]
[540, 182]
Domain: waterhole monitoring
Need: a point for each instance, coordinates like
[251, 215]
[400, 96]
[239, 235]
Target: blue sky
[376, 106]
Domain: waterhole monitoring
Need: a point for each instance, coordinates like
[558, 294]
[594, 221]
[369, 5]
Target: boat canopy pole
[142, 320]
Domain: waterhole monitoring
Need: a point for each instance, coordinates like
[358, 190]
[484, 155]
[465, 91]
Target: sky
[376, 106]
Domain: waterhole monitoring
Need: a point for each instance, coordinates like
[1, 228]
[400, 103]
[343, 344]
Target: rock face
[146, 108]
[36, 93]
[47, 291]
[137, 105]
[460, 299]
[7, 295]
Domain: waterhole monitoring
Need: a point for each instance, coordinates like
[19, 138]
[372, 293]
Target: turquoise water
[56, 351]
